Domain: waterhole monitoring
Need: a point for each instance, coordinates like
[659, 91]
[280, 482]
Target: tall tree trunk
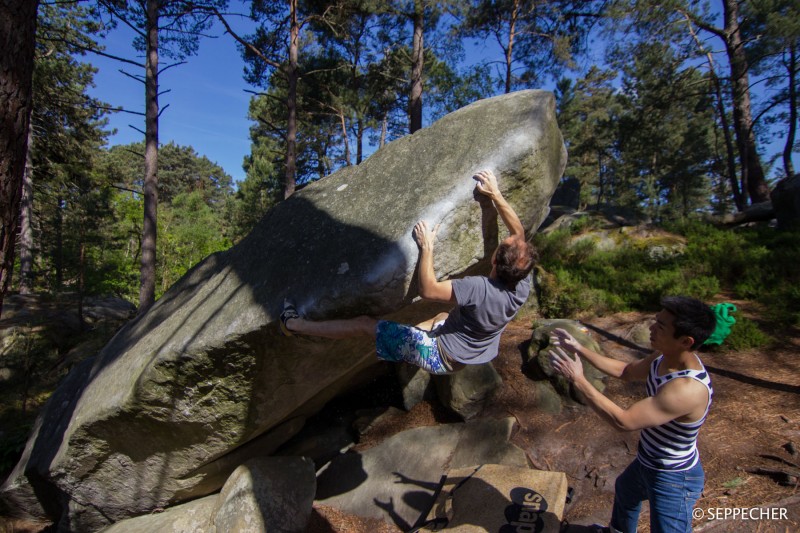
[345, 138]
[58, 253]
[730, 153]
[417, 53]
[790, 135]
[147, 290]
[290, 180]
[359, 140]
[25, 242]
[384, 128]
[17, 43]
[753, 180]
[81, 276]
[600, 179]
[512, 33]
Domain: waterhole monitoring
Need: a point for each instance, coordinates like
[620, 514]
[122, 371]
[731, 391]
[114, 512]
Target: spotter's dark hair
[692, 317]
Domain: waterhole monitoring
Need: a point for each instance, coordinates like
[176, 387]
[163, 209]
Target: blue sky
[207, 99]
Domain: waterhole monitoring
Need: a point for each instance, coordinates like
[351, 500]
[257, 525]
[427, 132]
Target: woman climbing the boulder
[484, 305]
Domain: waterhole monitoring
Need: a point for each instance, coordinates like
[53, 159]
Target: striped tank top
[672, 446]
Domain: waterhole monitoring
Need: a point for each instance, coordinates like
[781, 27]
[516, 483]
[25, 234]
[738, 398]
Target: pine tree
[164, 27]
[17, 41]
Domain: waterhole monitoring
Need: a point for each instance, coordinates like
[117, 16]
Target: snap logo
[524, 515]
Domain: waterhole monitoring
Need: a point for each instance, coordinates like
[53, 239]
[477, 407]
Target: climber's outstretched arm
[487, 185]
[429, 287]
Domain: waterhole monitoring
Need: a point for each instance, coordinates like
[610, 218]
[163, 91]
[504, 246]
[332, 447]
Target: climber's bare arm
[487, 185]
[429, 287]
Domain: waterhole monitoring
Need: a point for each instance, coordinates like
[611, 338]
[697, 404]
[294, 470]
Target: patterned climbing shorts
[399, 342]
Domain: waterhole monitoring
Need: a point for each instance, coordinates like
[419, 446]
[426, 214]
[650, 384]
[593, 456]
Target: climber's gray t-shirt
[471, 334]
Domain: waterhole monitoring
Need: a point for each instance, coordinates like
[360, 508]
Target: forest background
[671, 110]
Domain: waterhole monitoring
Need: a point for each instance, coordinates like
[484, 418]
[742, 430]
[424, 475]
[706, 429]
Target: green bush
[755, 263]
[553, 247]
[745, 334]
[562, 294]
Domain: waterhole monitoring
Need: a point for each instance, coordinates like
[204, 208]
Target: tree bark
[81, 277]
[359, 140]
[25, 242]
[290, 179]
[512, 33]
[345, 138]
[58, 253]
[149, 227]
[417, 52]
[730, 154]
[384, 128]
[17, 43]
[790, 135]
[752, 174]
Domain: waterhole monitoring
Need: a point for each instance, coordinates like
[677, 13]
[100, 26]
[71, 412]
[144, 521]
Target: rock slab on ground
[396, 480]
[263, 494]
[500, 498]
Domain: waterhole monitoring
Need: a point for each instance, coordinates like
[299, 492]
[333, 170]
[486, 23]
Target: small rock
[790, 447]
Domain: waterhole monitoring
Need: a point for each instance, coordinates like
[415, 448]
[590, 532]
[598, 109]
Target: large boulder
[786, 202]
[155, 414]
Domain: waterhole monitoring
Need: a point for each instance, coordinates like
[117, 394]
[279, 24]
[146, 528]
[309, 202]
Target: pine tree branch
[249, 46]
[73, 44]
[275, 129]
[118, 110]
[171, 65]
[110, 8]
[719, 32]
[138, 78]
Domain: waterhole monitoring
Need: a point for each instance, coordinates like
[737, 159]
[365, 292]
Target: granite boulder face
[188, 391]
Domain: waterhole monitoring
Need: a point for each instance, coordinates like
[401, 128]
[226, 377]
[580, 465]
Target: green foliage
[754, 263]
[92, 222]
[564, 294]
[114, 263]
[746, 334]
[180, 170]
[588, 116]
[189, 231]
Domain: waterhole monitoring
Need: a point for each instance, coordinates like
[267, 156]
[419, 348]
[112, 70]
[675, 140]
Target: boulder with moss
[184, 393]
[539, 357]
